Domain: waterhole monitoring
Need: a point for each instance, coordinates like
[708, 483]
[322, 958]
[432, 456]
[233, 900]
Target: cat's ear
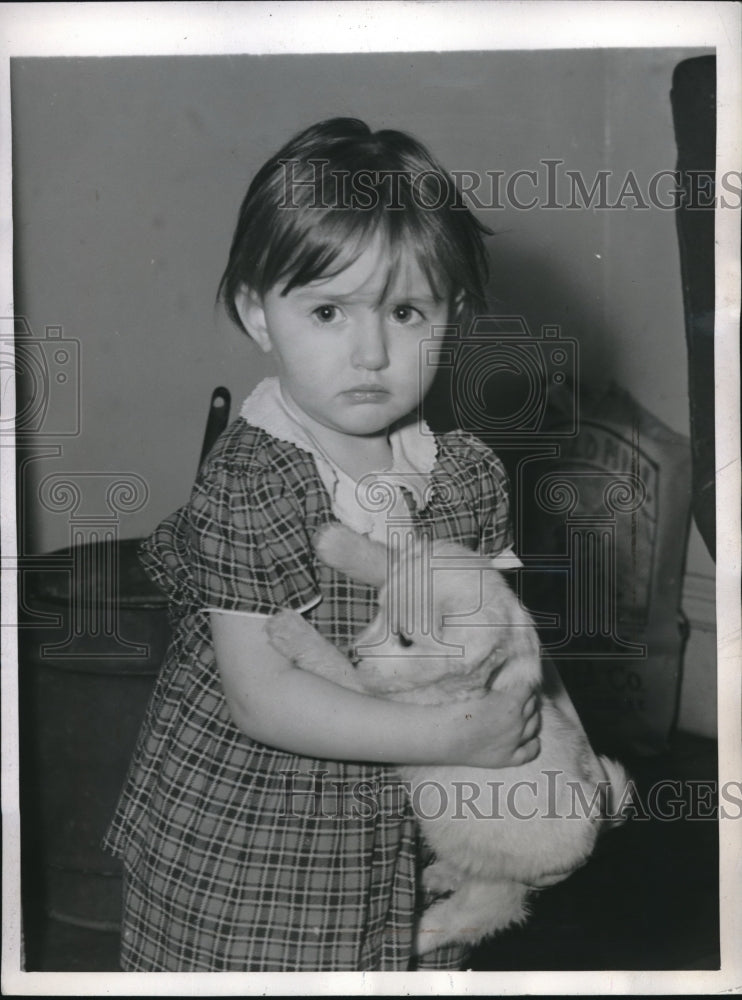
[355, 555]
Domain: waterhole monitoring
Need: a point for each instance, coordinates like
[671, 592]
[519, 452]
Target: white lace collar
[414, 452]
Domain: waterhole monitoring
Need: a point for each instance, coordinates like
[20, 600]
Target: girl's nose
[369, 345]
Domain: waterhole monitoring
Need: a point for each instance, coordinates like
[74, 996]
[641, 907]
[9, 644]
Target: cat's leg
[301, 643]
[473, 911]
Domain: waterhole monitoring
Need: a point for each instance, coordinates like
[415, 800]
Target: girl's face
[349, 355]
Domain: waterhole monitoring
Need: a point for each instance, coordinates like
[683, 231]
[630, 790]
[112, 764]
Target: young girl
[261, 826]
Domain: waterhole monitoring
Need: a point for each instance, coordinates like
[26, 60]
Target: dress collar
[414, 453]
[413, 446]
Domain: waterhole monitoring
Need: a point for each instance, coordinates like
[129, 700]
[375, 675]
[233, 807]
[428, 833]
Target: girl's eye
[405, 314]
[326, 313]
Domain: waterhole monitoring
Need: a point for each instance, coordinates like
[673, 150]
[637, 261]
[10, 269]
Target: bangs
[337, 241]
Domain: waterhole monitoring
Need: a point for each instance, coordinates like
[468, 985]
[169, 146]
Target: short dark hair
[313, 206]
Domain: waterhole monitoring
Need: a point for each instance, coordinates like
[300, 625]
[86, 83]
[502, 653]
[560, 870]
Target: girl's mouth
[366, 394]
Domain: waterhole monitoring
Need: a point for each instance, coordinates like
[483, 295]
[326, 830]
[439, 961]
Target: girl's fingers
[531, 728]
[530, 706]
[527, 751]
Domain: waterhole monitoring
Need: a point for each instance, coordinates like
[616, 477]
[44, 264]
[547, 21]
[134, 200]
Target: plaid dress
[239, 856]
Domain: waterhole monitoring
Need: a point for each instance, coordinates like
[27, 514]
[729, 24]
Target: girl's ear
[249, 307]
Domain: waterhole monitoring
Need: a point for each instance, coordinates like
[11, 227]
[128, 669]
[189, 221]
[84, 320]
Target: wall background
[128, 173]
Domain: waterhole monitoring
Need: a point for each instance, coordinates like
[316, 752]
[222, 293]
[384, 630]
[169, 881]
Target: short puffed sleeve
[470, 495]
[240, 544]
[496, 529]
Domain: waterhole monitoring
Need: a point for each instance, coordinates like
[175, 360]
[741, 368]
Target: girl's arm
[273, 702]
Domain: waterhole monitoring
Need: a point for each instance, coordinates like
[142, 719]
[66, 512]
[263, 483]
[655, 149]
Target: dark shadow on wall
[506, 398]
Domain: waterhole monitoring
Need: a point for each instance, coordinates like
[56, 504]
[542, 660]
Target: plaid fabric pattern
[238, 856]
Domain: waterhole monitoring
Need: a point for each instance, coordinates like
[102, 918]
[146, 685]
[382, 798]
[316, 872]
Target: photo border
[70, 29]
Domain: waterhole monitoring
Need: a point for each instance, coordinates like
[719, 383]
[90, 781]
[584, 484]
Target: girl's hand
[499, 730]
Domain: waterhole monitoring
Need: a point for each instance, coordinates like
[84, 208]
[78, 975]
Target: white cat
[449, 627]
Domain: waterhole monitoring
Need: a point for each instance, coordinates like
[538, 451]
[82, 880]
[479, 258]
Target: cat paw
[438, 926]
[287, 632]
[440, 877]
